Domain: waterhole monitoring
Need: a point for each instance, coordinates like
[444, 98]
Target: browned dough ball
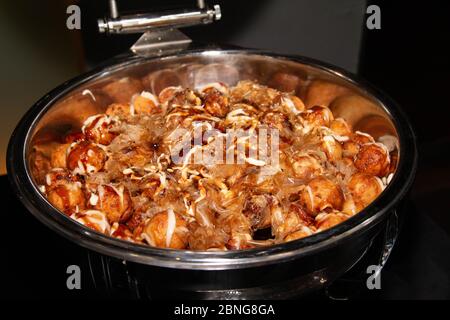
[372, 159]
[305, 167]
[321, 193]
[332, 148]
[362, 138]
[98, 129]
[166, 230]
[276, 120]
[318, 116]
[216, 103]
[350, 149]
[330, 220]
[59, 156]
[146, 103]
[67, 198]
[340, 127]
[167, 94]
[86, 157]
[64, 191]
[115, 202]
[364, 188]
[183, 98]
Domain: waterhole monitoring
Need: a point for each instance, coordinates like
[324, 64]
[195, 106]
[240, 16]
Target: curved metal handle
[140, 23]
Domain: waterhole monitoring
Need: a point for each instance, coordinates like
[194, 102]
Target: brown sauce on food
[153, 175]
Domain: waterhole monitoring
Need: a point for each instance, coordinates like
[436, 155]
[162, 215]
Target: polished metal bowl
[291, 267]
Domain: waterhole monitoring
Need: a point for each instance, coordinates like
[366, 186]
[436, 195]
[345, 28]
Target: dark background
[409, 58]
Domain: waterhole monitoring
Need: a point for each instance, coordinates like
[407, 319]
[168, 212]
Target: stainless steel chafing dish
[270, 272]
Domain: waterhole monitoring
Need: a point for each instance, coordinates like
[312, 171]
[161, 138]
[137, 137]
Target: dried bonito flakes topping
[209, 168]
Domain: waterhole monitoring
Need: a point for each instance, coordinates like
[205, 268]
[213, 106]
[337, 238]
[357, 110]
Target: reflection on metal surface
[160, 41]
[145, 22]
[120, 83]
[64, 109]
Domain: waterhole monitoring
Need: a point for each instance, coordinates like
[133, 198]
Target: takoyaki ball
[254, 94]
[166, 229]
[215, 102]
[59, 156]
[257, 209]
[364, 188]
[120, 110]
[115, 202]
[350, 149]
[98, 129]
[328, 220]
[321, 92]
[121, 91]
[332, 148]
[299, 234]
[362, 138]
[276, 120]
[373, 159]
[305, 167]
[320, 194]
[94, 219]
[135, 155]
[168, 94]
[86, 157]
[184, 98]
[317, 116]
[179, 117]
[66, 195]
[145, 103]
[340, 127]
[285, 222]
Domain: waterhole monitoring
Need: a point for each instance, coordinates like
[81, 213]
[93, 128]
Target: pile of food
[118, 175]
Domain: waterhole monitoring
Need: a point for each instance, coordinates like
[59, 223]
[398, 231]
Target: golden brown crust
[156, 231]
[320, 194]
[120, 174]
[86, 157]
[364, 188]
[372, 159]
